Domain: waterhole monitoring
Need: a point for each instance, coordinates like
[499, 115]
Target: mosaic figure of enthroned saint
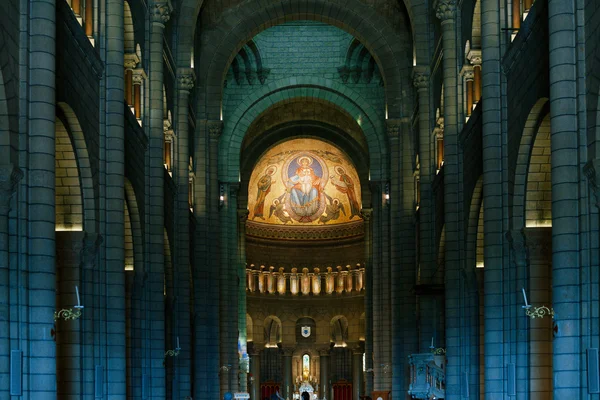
[305, 188]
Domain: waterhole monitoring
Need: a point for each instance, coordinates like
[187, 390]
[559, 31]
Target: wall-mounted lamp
[175, 352]
[221, 195]
[68, 313]
[386, 193]
[536, 312]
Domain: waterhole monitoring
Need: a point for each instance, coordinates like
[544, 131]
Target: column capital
[185, 79]
[445, 10]
[138, 76]
[420, 76]
[366, 214]
[474, 56]
[590, 171]
[89, 249]
[130, 61]
[160, 12]
[10, 175]
[287, 351]
[467, 72]
[518, 245]
[393, 127]
[323, 351]
[215, 128]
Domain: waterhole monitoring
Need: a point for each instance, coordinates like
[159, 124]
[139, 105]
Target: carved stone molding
[139, 75]
[393, 127]
[445, 10]
[131, 60]
[366, 214]
[590, 170]
[89, 250]
[420, 76]
[312, 233]
[10, 175]
[467, 72]
[518, 246]
[160, 12]
[215, 128]
[474, 56]
[185, 79]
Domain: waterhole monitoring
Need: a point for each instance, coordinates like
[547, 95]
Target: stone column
[366, 214]
[468, 75]
[159, 15]
[229, 287]
[493, 198]
[131, 60]
[255, 378]
[39, 348]
[357, 372]
[427, 260]
[324, 390]
[288, 382]
[114, 312]
[10, 175]
[185, 83]
[242, 217]
[446, 12]
[566, 137]
[137, 78]
[474, 58]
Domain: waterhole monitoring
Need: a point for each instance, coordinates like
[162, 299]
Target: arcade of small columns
[267, 280]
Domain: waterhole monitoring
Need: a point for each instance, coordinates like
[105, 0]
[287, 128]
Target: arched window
[306, 366]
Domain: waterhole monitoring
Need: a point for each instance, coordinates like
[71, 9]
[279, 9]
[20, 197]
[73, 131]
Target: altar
[305, 387]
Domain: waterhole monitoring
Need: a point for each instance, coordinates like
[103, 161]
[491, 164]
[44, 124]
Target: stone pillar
[446, 12]
[566, 134]
[357, 373]
[229, 287]
[183, 367]
[131, 60]
[468, 75]
[39, 348]
[242, 217]
[493, 198]
[366, 215]
[324, 390]
[427, 260]
[114, 228]
[288, 382]
[9, 177]
[474, 58]
[159, 15]
[255, 375]
[137, 78]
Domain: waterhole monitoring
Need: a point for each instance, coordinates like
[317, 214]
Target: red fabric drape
[342, 390]
[267, 389]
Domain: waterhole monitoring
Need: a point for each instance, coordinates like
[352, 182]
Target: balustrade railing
[263, 280]
[427, 375]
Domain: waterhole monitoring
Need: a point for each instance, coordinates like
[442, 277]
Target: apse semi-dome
[304, 182]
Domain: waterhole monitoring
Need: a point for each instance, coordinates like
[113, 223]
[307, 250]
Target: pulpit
[380, 395]
[427, 376]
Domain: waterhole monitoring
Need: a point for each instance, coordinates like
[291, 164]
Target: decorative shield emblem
[305, 331]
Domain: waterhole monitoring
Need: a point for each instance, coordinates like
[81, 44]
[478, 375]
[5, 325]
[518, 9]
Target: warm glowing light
[68, 228]
[479, 265]
[539, 224]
